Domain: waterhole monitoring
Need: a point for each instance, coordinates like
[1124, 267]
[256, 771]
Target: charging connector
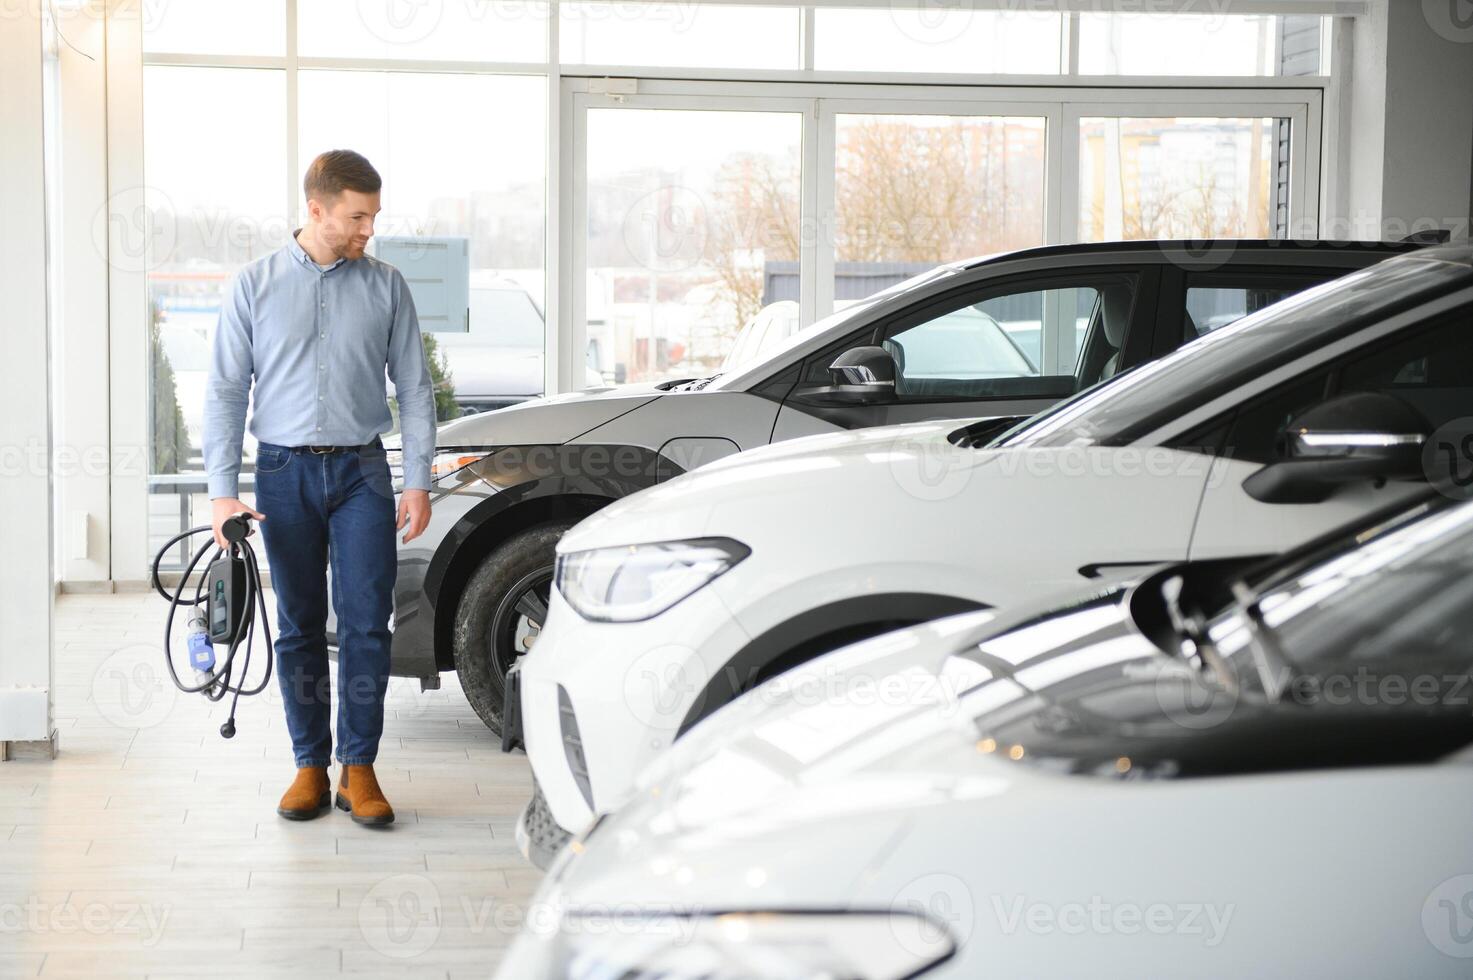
[227, 599]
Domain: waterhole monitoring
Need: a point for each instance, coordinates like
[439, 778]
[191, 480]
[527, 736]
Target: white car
[1120, 787]
[671, 602]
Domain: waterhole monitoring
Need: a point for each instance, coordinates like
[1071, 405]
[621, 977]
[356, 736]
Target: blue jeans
[339, 508]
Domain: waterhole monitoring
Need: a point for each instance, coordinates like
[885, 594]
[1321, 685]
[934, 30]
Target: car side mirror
[860, 376]
[1345, 439]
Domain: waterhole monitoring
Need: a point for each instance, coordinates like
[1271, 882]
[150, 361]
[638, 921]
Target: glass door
[686, 225]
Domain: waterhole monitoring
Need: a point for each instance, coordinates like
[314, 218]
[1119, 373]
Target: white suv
[1218, 771]
[1251, 439]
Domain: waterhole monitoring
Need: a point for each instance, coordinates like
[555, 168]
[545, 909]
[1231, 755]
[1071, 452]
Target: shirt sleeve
[409, 370]
[228, 392]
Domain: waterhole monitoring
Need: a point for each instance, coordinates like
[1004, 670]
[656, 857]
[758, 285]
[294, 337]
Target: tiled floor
[151, 847]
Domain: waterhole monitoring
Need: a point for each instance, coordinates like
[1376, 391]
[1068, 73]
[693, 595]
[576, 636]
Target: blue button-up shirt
[316, 340]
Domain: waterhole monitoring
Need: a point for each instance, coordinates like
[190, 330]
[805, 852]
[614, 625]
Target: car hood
[795, 469]
[546, 421]
[782, 762]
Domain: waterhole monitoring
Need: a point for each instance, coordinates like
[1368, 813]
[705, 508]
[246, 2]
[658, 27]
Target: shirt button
[322, 336]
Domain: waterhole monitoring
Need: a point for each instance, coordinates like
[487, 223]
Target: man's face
[346, 221]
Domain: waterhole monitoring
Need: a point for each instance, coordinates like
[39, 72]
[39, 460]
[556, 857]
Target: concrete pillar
[26, 557]
[1406, 161]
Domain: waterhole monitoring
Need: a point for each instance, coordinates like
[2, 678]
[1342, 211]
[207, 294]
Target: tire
[521, 565]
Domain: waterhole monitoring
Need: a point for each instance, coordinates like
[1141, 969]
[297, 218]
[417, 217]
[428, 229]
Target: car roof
[1213, 251]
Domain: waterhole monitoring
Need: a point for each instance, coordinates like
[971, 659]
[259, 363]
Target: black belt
[324, 450]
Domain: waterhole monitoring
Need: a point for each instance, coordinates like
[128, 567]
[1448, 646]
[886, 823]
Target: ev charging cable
[238, 610]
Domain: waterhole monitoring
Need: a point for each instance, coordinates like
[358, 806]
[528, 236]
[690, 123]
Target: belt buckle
[321, 450]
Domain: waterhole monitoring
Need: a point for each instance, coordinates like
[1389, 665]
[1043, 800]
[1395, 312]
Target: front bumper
[606, 698]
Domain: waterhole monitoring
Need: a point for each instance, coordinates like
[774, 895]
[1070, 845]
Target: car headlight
[749, 945]
[634, 582]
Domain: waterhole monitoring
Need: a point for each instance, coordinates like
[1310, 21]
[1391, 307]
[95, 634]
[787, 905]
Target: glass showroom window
[690, 214]
[1199, 44]
[937, 38]
[1180, 177]
[214, 156]
[911, 192]
[452, 30]
[690, 35]
[463, 160]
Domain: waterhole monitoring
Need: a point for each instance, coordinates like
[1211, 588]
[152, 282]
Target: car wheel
[500, 614]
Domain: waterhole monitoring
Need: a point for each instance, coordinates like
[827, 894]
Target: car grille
[573, 745]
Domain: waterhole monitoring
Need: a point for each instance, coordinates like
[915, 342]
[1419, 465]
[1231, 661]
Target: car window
[1038, 342]
[1211, 307]
[1432, 370]
[1157, 392]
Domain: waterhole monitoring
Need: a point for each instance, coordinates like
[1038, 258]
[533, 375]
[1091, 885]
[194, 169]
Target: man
[315, 323]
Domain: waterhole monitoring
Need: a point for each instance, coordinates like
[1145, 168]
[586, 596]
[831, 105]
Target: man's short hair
[336, 171]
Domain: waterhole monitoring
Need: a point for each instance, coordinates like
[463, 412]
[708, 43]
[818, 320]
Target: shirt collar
[301, 255]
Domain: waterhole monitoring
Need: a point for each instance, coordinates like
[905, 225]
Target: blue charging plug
[201, 650]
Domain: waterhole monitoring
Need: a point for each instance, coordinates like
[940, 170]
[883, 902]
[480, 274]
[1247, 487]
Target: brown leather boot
[360, 795]
[310, 795]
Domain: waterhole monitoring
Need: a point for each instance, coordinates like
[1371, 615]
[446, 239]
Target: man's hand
[414, 507]
[225, 508]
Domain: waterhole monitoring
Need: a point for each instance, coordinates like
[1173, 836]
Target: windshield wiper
[1196, 646]
[687, 384]
[1275, 672]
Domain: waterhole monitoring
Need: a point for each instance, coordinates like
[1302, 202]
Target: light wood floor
[151, 846]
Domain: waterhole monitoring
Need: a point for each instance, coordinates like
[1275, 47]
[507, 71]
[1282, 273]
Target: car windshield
[1135, 402]
[1356, 657]
[766, 359]
[1401, 604]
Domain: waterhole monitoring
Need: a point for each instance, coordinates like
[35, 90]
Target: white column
[128, 236]
[1404, 164]
[26, 575]
[83, 463]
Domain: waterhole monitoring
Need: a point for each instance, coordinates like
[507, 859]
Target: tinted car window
[1359, 658]
[1161, 390]
[1432, 370]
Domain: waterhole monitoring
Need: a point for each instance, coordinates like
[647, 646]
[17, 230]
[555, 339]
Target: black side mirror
[1345, 439]
[861, 376]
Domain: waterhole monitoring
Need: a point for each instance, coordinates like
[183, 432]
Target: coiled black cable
[218, 684]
